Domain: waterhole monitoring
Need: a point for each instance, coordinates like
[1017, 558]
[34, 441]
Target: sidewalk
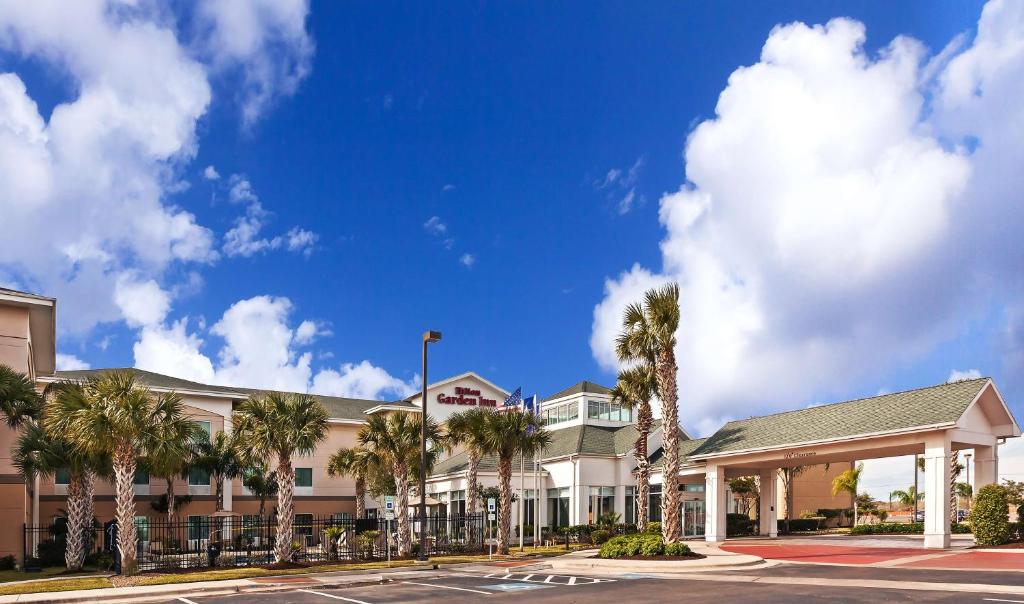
[715, 559]
[163, 593]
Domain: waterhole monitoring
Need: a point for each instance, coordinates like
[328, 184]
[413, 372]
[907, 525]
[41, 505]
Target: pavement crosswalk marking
[550, 579]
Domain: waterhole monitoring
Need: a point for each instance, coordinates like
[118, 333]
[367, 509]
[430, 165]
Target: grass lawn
[7, 576]
[84, 582]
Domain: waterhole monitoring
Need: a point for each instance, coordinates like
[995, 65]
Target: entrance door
[693, 518]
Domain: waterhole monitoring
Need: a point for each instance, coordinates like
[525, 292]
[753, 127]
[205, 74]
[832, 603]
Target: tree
[848, 482]
[748, 490]
[219, 457]
[38, 453]
[469, 429]
[274, 427]
[964, 491]
[110, 414]
[358, 463]
[19, 399]
[788, 475]
[170, 453]
[261, 484]
[512, 433]
[649, 336]
[394, 440]
[908, 497]
[955, 468]
[634, 389]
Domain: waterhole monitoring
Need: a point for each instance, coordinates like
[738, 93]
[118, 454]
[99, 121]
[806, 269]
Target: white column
[620, 501]
[715, 504]
[986, 466]
[937, 453]
[768, 513]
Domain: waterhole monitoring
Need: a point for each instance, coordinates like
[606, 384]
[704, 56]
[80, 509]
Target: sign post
[491, 506]
[389, 515]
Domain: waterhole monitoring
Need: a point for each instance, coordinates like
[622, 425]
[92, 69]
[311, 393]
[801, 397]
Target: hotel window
[693, 488]
[443, 498]
[608, 411]
[529, 502]
[197, 526]
[458, 502]
[141, 478]
[629, 514]
[602, 501]
[198, 477]
[560, 413]
[250, 525]
[558, 507]
[206, 428]
[304, 477]
[340, 516]
[304, 524]
[654, 503]
[62, 477]
[142, 528]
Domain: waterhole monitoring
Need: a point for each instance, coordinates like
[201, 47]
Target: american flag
[515, 399]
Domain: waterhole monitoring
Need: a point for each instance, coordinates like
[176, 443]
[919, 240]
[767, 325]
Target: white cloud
[957, 376]
[210, 173]
[467, 260]
[822, 217]
[362, 380]
[435, 226]
[141, 302]
[266, 40]
[301, 240]
[244, 239]
[259, 350]
[620, 186]
[447, 188]
[69, 362]
[86, 192]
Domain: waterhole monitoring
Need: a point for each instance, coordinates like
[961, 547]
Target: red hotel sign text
[466, 396]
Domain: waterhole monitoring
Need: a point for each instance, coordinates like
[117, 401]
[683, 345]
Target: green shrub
[51, 552]
[8, 562]
[800, 524]
[654, 527]
[652, 546]
[676, 549]
[990, 516]
[600, 536]
[738, 524]
[641, 544]
[889, 528]
[365, 542]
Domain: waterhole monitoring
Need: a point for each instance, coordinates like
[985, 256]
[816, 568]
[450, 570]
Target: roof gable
[579, 388]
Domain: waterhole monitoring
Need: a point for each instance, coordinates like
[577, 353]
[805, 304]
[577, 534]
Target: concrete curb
[715, 559]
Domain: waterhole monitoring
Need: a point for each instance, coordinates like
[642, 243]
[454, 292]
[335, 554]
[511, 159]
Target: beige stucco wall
[14, 337]
[812, 490]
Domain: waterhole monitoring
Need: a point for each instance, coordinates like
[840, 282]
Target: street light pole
[429, 337]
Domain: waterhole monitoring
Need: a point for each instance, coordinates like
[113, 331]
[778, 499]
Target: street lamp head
[431, 336]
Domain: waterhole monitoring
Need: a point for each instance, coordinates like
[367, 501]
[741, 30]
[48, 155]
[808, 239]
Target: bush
[903, 528]
[990, 516]
[654, 527]
[600, 536]
[8, 562]
[51, 552]
[100, 560]
[676, 549]
[738, 524]
[641, 544]
[800, 524]
[365, 542]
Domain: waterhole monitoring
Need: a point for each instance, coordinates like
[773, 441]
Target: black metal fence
[202, 541]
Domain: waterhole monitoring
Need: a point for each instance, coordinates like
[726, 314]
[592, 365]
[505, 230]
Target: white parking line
[320, 593]
[999, 600]
[186, 601]
[476, 591]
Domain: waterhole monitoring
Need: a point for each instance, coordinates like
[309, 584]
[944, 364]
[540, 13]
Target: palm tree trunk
[643, 465]
[504, 504]
[360, 497]
[667, 392]
[89, 510]
[170, 499]
[285, 509]
[402, 510]
[474, 483]
[74, 554]
[218, 490]
[127, 535]
[954, 460]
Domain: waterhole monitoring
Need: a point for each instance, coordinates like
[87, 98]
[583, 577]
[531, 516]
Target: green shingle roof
[584, 439]
[578, 388]
[686, 447]
[942, 404]
[337, 407]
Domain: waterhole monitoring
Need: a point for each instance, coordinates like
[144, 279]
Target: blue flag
[530, 404]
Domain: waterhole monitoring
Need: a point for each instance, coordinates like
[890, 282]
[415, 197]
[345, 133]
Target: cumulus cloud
[243, 239]
[85, 193]
[258, 348]
[467, 260]
[210, 173]
[264, 40]
[69, 362]
[825, 207]
[435, 226]
[958, 376]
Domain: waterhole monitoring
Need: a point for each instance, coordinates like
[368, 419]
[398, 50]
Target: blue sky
[496, 172]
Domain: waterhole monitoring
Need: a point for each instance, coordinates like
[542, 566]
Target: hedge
[800, 524]
[641, 544]
[738, 524]
[903, 528]
[990, 516]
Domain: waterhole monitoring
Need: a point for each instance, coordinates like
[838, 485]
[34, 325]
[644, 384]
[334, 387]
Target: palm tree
[38, 453]
[276, 425]
[649, 336]
[634, 389]
[220, 458]
[261, 484]
[394, 440]
[907, 497]
[358, 463]
[19, 399]
[469, 429]
[170, 454]
[111, 414]
[847, 482]
[512, 433]
[955, 468]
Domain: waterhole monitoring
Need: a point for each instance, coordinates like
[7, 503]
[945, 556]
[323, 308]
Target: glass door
[693, 518]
